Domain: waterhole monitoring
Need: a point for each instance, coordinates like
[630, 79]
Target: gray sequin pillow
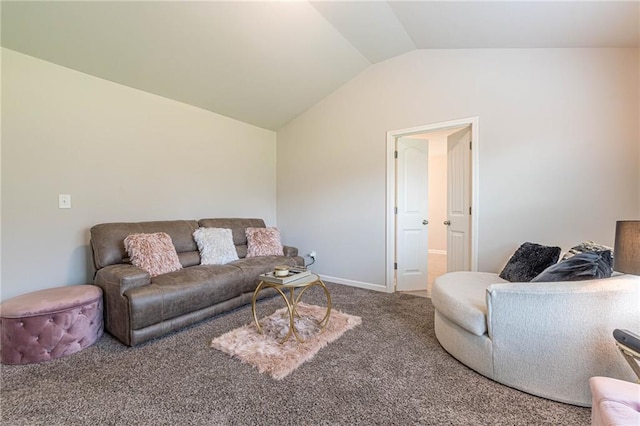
[529, 261]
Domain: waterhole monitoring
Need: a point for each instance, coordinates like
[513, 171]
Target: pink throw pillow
[263, 242]
[155, 253]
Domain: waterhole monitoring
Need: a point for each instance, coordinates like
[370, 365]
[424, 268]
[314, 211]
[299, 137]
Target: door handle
[447, 222]
[425, 222]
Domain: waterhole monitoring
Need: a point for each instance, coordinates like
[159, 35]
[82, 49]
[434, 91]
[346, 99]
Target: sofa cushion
[107, 239]
[154, 253]
[263, 242]
[189, 258]
[461, 298]
[188, 290]
[215, 245]
[529, 260]
[582, 266]
[251, 267]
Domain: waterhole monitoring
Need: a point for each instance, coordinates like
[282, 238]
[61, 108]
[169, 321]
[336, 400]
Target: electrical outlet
[312, 254]
[64, 201]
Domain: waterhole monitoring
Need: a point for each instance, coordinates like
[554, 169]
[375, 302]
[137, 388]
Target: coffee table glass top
[291, 301]
[300, 282]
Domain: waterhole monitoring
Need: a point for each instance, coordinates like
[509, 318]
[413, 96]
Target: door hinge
[395, 154]
[395, 210]
[469, 209]
[470, 144]
[395, 266]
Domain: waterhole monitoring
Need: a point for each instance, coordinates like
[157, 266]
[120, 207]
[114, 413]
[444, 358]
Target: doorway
[430, 225]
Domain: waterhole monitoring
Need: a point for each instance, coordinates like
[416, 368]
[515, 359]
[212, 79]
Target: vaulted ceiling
[266, 62]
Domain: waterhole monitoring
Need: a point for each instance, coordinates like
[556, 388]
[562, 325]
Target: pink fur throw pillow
[155, 253]
[263, 242]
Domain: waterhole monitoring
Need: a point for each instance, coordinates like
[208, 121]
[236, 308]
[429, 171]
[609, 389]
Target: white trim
[434, 251]
[392, 135]
[352, 283]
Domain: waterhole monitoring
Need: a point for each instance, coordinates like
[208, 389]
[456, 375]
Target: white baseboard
[434, 251]
[352, 283]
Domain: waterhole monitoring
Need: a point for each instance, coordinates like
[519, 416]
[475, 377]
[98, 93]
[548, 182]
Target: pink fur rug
[278, 360]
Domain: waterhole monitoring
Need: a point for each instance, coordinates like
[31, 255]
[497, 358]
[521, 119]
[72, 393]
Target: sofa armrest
[290, 251]
[115, 281]
[553, 305]
[122, 276]
[554, 336]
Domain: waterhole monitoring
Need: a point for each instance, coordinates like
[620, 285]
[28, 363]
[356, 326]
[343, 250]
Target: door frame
[392, 135]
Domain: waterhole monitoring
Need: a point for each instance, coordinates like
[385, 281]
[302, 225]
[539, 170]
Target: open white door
[459, 201]
[411, 219]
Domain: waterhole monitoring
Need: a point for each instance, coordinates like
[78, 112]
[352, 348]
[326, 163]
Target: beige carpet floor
[390, 370]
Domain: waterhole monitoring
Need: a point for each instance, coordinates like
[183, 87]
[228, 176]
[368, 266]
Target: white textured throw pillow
[215, 245]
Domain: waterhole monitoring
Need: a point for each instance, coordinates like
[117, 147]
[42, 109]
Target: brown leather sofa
[139, 308]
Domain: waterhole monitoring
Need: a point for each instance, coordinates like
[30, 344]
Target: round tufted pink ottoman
[49, 324]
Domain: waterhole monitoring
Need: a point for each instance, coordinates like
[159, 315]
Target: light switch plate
[64, 201]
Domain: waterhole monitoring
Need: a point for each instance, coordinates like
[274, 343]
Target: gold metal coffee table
[292, 301]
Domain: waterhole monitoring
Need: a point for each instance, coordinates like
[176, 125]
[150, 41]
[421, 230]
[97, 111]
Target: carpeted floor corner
[390, 370]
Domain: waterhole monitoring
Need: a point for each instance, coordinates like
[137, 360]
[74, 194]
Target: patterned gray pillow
[582, 266]
[587, 247]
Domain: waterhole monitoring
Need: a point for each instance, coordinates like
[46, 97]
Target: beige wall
[558, 152]
[559, 158]
[123, 155]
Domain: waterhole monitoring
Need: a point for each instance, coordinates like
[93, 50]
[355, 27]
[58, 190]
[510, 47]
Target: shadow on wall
[80, 268]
